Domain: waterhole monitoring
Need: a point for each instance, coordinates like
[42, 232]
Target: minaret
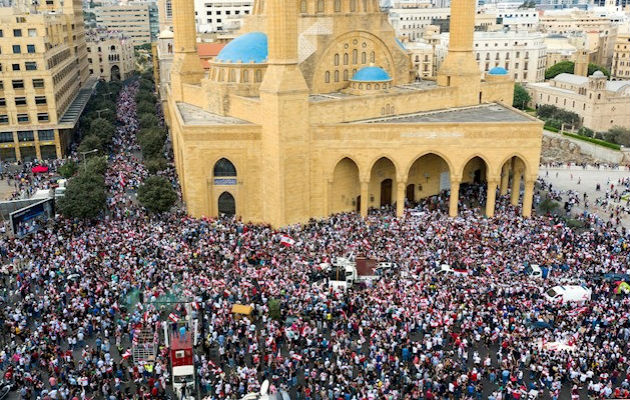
[186, 65]
[581, 62]
[459, 68]
[285, 131]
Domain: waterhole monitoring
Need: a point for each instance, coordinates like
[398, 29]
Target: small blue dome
[371, 74]
[247, 48]
[498, 71]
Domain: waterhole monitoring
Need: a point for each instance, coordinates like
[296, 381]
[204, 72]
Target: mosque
[314, 109]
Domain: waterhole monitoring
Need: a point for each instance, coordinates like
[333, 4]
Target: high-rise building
[221, 15]
[44, 78]
[110, 55]
[621, 57]
[138, 21]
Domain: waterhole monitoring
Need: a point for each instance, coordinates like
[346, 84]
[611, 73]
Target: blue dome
[498, 71]
[250, 47]
[371, 74]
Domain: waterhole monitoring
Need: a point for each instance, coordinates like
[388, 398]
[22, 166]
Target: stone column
[505, 179]
[329, 195]
[454, 197]
[400, 199]
[516, 186]
[528, 197]
[491, 197]
[364, 198]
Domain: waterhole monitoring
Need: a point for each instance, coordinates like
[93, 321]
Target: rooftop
[72, 114]
[409, 87]
[492, 112]
[193, 115]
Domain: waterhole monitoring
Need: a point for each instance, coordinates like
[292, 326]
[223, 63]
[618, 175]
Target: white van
[569, 293]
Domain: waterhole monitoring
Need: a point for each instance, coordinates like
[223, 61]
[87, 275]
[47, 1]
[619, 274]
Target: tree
[103, 129]
[584, 131]
[548, 205]
[521, 97]
[148, 121]
[151, 144]
[618, 135]
[154, 130]
[84, 197]
[156, 194]
[146, 84]
[594, 67]
[546, 111]
[144, 107]
[156, 164]
[559, 68]
[96, 165]
[68, 169]
[89, 143]
[146, 96]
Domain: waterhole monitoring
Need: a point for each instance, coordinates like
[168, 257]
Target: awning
[38, 169]
[242, 309]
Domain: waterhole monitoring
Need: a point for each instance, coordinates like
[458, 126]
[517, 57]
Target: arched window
[303, 6]
[363, 58]
[224, 167]
[353, 5]
[345, 58]
[345, 74]
[337, 5]
[232, 76]
[227, 205]
[355, 56]
[258, 75]
[336, 59]
[320, 6]
[327, 77]
[365, 5]
[170, 48]
[372, 57]
[336, 76]
[245, 76]
[113, 48]
[221, 75]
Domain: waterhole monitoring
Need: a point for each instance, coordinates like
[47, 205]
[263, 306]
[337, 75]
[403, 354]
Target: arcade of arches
[384, 183]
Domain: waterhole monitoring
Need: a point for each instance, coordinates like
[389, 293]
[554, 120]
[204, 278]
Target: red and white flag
[173, 317]
[286, 241]
[195, 305]
[126, 354]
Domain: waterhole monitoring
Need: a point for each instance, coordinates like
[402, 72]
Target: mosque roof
[498, 71]
[371, 74]
[247, 48]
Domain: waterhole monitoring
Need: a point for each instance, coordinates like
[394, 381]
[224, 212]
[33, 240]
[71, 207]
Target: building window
[3, 102]
[47, 134]
[16, 67]
[38, 83]
[345, 58]
[303, 6]
[30, 48]
[345, 74]
[40, 100]
[320, 6]
[353, 5]
[4, 119]
[355, 56]
[32, 32]
[18, 84]
[6, 137]
[336, 76]
[17, 49]
[245, 76]
[1, 33]
[26, 136]
[30, 65]
[20, 101]
[42, 117]
[337, 5]
[327, 77]
[363, 58]
[17, 33]
[336, 59]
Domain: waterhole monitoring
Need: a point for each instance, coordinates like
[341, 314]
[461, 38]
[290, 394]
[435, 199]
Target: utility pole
[84, 154]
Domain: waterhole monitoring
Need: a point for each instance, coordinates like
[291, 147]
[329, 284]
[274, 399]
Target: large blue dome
[247, 48]
[371, 74]
[498, 71]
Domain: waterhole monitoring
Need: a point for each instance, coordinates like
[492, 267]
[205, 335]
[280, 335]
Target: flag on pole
[126, 354]
[286, 241]
[173, 317]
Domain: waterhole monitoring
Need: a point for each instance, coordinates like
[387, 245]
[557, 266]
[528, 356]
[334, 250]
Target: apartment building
[422, 56]
[621, 57]
[221, 15]
[110, 55]
[44, 78]
[522, 54]
[137, 21]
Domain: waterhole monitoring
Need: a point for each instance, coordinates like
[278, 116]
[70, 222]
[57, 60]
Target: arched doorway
[115, 73]
[512, 172]
[345, 191]
[382, 183]
[223, 168]
[473, 188]
[227, 205]
[430, 175]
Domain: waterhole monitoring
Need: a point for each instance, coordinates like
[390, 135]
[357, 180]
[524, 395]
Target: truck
[347, 271]
[182, 363]
[536, 271]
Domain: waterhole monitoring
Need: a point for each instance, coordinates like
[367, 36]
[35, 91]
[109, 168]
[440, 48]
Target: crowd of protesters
[413, 334]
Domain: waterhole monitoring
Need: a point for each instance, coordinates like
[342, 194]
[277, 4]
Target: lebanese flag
[173, 317]
[126, 354]
[296, 357]
[195, 305]
[286, 241]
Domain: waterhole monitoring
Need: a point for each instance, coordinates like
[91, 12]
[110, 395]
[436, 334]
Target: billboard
[29, 219]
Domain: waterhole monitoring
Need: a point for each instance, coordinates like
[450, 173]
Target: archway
[430, 175]
[473, 187]
[512, 172]
[382, 183]
[115, 73]
[224, 167]
[345, 190]
[227, 205]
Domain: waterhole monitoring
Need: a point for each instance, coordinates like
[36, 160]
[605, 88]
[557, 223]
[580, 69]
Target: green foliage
[574, 223]
[594, 67]
[521, 97]
[89, 143]
[555, 117]
[145, 47]
[274, 309]
[148, 74]
[68, 169]
[144, 107]
[584, 131]
[146, 84]
[563, 67]
[148, 121]
[156, 194]
[554, 123]
[156, 164]
[618, 135]
[96, 165]
[546, 111]
[593, 140]
[151, 144]
[147, 96]
[154, 131]
[552, 129]
[103, 129]
[548, 205]
[84, 197]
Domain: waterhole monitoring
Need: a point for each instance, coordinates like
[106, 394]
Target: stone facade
[111, 55]
[621, 58]
[274, 134]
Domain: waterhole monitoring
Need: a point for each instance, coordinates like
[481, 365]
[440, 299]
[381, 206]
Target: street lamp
[100, 111]
[84, 153]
